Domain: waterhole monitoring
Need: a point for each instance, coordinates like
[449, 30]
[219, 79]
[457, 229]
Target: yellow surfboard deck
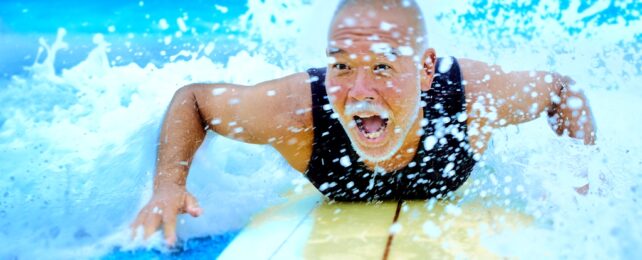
[307, 226]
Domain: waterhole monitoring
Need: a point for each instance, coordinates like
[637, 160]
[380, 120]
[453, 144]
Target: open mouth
[372, 127]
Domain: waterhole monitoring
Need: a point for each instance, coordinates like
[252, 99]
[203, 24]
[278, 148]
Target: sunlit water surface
[77, 138]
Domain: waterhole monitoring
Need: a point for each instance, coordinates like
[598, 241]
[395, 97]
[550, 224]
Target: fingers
[582, 190]
[139, 223]
[576, 122]
[165, 211]
[191, 205]
[583, 126]
[134, 226]
[589, 136]
[556, 123]
[559, 126]
[152, 223]
[590, 139]
[590, 130]
[169, 228]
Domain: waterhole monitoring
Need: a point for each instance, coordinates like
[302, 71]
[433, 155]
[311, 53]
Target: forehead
[374, 24]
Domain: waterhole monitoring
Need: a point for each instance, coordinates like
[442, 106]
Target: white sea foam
[78, 154]
[77, 148]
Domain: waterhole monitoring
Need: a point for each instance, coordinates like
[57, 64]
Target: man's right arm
[274, 112]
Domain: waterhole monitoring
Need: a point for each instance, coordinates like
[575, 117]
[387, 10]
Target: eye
[340, 66]
[382, 68]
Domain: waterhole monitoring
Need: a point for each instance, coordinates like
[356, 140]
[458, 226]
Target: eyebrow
[333, 51]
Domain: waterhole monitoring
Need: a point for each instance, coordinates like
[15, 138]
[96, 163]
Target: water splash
[79, 153]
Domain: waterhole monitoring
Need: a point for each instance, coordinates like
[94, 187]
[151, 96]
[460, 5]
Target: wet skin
[388, 79]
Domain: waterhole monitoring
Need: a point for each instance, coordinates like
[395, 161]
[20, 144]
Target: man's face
[373, 79]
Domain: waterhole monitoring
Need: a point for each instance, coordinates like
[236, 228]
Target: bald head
[401, 17]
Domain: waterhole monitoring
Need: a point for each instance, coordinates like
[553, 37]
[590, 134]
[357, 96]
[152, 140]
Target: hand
[572, 114]
[163, 208]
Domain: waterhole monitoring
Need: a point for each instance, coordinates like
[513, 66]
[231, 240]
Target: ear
[429, 60]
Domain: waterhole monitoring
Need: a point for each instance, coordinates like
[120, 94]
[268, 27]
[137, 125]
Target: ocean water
[83, 87]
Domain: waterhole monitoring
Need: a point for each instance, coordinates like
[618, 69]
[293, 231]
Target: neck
[406, 152]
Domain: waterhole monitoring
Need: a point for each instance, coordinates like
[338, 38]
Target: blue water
[23, 22]
[83, 86]
[197, 248]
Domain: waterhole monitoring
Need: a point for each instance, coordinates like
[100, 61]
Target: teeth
[374, 135]
[385, 115]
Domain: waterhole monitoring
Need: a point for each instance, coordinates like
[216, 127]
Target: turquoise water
[196, 248]
[84, 85]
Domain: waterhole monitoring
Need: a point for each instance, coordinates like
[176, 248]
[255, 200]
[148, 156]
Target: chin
[372, 155]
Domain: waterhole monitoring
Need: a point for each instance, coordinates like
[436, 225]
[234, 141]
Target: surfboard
[308, 226]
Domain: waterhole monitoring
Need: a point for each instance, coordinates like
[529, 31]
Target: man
[386, 119]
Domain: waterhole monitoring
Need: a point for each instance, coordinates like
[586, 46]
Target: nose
[363, 90]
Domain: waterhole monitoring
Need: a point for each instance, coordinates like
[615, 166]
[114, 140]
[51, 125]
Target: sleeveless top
[443, 160]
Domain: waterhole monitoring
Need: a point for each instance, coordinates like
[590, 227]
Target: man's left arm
[496, 98]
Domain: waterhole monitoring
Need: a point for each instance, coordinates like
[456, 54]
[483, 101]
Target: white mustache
[366, 107]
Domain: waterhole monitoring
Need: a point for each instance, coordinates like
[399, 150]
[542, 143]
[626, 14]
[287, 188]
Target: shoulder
[288, 93]
[294, 82]
[477, 75]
